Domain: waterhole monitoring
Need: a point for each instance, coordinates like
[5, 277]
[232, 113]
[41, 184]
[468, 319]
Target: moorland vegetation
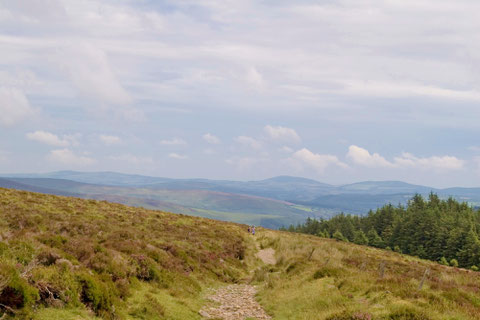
[70, 258]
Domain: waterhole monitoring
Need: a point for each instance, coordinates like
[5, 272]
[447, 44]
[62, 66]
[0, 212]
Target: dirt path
[234, 302]
[267, 256]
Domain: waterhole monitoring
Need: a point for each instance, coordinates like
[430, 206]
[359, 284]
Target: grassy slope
[132, 263]
[68, 258]
[342, 281]
[240, 208]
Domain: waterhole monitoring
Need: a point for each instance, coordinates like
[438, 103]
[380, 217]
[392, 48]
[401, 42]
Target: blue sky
[339, 91]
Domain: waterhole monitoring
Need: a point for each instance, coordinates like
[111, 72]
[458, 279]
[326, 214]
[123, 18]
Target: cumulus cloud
[434, 162]
[14, 106]
[210, 138]
[173, 142]
[68, 157]
[282, 134]
[362, 157]
[174, 155]
[249, 142]
[319, 162]
[52, 139]
[110, 140]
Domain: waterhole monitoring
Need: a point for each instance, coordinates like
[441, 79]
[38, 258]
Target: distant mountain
[20, 184]
[271, 202]
[102, 178]
[193, 200]
[383, 187]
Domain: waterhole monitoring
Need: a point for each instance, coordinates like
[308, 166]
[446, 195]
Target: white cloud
[133, 159]
[319, 162]
[210, 138]
[249, 142]
[68, 157]
[286, 149]
[255, 79]
[110, 140]
[362, 157]
[174, 155]
[173, 142]
[434, 162]
[14, 106]
[50, 138]
[89, 70]
[282, 134]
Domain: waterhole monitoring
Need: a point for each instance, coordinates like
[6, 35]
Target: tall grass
[318, 278]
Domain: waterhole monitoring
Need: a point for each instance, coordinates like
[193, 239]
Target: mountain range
[273, 202]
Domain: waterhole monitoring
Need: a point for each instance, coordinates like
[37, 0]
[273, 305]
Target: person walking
[253, 230]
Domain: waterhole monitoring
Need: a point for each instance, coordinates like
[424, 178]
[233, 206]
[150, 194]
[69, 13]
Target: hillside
[188, 199]
[69, 258]
[207, 198]
[82, 258]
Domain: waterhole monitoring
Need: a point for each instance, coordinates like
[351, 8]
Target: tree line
[446, 231]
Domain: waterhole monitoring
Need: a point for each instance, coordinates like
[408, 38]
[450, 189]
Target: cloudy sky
[335, 90]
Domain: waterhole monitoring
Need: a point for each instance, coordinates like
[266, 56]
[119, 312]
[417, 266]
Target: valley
[272, 203]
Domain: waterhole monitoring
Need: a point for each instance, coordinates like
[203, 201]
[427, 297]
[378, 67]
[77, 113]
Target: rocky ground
[234, 302]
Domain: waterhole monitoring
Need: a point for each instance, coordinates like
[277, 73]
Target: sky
[334, 90]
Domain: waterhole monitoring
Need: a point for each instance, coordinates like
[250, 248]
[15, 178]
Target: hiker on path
[253, 230]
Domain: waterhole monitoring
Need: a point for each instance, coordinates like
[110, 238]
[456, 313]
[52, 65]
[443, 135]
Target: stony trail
[267, 256]
[237, 301]
[234, 302]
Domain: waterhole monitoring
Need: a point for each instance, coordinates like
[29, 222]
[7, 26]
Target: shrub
[474, 268]
[56, 284]
[54, 241]
[443, 261]
[96, 294]
[15, 292]
[454, 263]
[337, 235]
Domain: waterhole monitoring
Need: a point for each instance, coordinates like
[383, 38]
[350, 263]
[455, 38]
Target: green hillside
[225, 206]
[70, 258]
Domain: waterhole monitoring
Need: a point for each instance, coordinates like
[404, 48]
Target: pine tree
[374, 239]
[360, 238]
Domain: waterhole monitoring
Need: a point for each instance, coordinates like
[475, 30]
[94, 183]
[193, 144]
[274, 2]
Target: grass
[87, 258]
[325, 279]
[69, 258]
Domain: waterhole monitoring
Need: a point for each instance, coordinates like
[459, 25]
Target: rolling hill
[72, 259]
[275, 202]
